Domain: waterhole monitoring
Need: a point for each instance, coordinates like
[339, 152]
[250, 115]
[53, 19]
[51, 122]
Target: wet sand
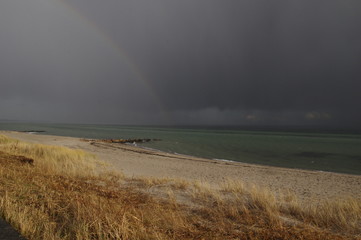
[134, 161]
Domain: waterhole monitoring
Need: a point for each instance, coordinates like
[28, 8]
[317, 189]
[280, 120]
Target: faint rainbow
[124, 56]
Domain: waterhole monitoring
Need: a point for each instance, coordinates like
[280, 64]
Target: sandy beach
[139, 162]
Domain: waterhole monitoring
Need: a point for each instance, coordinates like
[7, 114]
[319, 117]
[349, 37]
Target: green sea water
[322, 151]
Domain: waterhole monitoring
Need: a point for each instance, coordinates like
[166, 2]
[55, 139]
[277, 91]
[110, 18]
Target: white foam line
[225, 160]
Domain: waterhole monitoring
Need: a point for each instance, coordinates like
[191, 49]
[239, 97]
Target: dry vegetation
[59, 196]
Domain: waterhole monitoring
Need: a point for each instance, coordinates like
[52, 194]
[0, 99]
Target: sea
[311, 149]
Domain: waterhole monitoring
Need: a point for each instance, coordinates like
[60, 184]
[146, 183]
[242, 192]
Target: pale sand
[138, 162]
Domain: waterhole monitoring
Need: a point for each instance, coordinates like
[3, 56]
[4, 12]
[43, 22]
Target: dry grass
[52, 204]
[53, 159]
[339, 215]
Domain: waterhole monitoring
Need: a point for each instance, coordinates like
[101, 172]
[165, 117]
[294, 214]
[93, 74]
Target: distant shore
[135, 161]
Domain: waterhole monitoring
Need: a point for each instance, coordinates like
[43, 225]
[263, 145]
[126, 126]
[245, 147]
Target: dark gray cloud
[202, 62]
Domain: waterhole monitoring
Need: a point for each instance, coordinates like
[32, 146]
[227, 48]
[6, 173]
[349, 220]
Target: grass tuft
[52, 159]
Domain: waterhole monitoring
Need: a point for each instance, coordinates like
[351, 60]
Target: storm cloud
[181, 62]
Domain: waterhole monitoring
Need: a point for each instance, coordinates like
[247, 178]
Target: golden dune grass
[52, 158]
[54, 204]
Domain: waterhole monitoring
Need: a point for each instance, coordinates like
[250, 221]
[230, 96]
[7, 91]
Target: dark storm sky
[232, 62]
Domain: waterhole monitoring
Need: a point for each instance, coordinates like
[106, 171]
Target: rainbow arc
[126, 59]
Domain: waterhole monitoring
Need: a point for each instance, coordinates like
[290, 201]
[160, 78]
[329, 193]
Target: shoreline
[235, 162]
[135, 161]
